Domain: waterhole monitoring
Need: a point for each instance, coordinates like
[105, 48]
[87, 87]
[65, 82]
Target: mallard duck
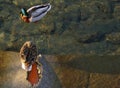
[28, 55]
[29, 59]
[35, 13]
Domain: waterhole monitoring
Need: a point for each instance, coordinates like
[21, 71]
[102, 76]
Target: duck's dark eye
[21, 14]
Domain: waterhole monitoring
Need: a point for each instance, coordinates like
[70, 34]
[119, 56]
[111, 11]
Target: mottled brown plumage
[28, 53]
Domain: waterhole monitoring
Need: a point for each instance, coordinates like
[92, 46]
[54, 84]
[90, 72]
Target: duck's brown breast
[33, 76]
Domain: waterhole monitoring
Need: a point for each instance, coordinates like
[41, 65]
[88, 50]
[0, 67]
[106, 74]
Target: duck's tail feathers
[49, 7]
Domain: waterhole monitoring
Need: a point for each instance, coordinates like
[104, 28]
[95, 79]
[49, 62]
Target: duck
[30, 62]
[34, 13]
[28, 55]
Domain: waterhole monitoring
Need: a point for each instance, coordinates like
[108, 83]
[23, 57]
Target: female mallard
[28, 54]
[35, 13]
[29, 59]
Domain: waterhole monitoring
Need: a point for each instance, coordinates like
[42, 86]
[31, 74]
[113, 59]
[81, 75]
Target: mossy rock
[117, 11]
[113, 37]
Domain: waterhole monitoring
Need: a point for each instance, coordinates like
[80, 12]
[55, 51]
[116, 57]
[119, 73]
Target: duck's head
[24, 12]
[24, 15]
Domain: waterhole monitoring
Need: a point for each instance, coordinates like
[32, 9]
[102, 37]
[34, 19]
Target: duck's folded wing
[37, 18]
[38, 10]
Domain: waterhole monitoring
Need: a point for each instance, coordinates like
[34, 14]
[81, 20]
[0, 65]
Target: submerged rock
[113, 37]
[13, 76]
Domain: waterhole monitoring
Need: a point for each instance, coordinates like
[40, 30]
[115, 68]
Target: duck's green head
[24, 12]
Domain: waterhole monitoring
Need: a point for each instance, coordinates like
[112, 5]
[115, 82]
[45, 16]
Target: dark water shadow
[50, 79]
[96, 64]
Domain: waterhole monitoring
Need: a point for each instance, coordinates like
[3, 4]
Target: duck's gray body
[37, 12]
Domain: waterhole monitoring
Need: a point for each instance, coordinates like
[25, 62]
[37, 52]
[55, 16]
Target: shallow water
[70, 27]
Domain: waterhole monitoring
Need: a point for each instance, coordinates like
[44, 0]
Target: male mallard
[35, 13]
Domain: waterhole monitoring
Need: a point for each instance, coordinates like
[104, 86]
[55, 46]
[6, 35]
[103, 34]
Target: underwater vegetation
[79, 39]
[82, 26]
